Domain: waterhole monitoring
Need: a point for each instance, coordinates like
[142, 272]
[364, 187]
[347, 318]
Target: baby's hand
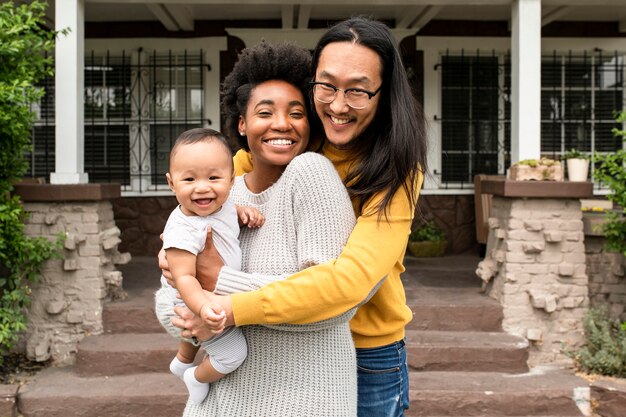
[250, 216]
[213, 316]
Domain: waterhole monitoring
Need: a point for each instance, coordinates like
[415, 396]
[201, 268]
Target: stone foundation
[67, 301]
[455, 215]
[142, 219]
[606, 270]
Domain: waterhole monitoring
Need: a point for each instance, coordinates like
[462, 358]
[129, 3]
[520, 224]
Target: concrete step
[134, 315]
[466, 351]
[545, 391]
[124, 354]
[453, 309]
[58, 392]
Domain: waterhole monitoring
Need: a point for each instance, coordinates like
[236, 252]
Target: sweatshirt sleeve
[331, 288]
[323, 218]
[243, 162]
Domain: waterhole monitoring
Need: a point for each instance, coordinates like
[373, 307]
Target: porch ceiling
[180, 14]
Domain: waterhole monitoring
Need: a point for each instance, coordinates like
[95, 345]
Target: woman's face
[275, 123]
[347, 65]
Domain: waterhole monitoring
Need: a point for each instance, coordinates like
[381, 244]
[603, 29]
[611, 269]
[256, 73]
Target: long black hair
[391, 152]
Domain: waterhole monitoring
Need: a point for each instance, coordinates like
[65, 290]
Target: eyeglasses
[357, 98]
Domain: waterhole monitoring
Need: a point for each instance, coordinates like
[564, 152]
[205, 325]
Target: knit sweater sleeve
[330, 288]
[323, 218]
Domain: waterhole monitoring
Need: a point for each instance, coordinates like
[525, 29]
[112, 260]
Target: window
[136, 104]
[579, 99]
[475, 121]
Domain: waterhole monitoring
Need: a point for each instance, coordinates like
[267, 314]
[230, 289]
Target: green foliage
[427, 231]
[604, 351]
[24, 42]
[612, 172]
[575, 154]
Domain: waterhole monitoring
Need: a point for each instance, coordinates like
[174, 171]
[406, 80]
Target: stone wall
[607, 278]
[535, 267]
[67, 301]
[455, 215]
[142, 219]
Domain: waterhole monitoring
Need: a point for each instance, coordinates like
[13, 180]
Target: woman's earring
[242, 133]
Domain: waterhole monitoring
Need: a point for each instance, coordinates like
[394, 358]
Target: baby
[201, 175]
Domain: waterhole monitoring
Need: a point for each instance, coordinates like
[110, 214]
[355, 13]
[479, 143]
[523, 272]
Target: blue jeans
[383, 381]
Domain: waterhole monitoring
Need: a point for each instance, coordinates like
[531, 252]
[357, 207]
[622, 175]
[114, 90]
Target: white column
[526, 80]
[69, 90]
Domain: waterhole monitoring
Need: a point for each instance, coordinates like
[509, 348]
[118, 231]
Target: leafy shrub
[611, 171]
[604, 351]
[428, 231]
[24, 42]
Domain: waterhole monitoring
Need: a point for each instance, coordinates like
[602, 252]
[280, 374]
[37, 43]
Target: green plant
[611, 171]
[24, 43]
[533, 163]
[604, 351]
[429, 231]
[575, 154]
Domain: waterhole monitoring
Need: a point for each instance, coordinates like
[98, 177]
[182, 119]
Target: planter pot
[427, 248]
[577, 169]
[536, 173]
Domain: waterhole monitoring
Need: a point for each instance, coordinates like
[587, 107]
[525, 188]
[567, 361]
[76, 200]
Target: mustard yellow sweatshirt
[375, 250]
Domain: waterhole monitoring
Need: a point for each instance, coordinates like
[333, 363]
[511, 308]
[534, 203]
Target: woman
[375, 138]
[291, 370]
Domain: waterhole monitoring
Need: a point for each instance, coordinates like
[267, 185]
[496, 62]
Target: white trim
[306, 38]
[69, 85]
[526, 80]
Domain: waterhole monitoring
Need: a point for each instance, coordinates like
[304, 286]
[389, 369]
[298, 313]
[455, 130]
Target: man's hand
[192, 325]
[164, 266]
[208, 264]
[250, 216]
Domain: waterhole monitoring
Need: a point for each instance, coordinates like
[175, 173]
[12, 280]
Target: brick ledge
[66, 192]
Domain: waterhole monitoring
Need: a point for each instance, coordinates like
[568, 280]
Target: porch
[461, 361]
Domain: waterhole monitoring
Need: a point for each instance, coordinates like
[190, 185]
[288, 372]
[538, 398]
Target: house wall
[142, 219]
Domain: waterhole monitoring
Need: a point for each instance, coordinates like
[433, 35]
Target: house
[500, 81]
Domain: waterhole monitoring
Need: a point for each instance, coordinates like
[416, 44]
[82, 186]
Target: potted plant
[427, 240]
[543, 169]
[577, 165]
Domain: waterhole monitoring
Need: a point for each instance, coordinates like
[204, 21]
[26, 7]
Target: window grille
[579, 99]
[580, 96]
[136, 105]
[475, 116]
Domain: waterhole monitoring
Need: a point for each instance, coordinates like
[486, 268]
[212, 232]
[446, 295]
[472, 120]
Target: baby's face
[201, 176]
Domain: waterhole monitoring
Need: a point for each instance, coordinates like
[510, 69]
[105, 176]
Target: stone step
[124, 354]
[466, 351]
[453, 309]
[545, 391]
[58, 392]
[134, 315]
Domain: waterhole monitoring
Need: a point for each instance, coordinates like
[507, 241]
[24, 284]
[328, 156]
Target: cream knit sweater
[295, 370]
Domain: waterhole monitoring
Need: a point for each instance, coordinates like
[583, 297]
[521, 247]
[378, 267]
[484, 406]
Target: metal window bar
[131, 116]
[581, 94]
[475, 116]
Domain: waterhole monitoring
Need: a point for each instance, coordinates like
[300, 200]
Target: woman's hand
[208, 264]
